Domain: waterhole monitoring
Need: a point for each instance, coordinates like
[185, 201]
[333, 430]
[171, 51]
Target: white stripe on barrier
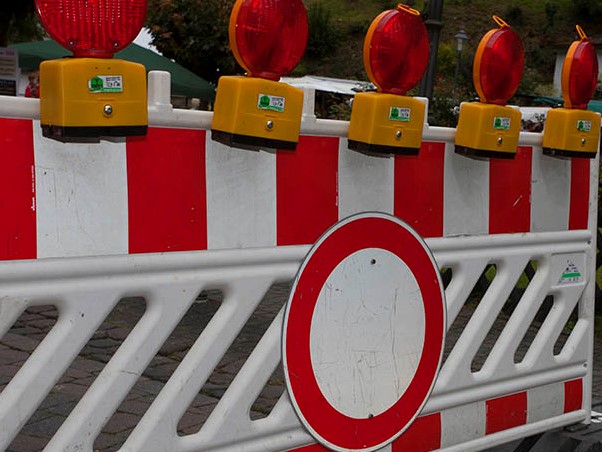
[81, 197]
[466, 194]
[550, 190]
[545, 402]
[463, 423]
[365, 182]
[241, 197]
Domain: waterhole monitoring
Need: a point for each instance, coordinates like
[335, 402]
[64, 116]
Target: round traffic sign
[363, 334]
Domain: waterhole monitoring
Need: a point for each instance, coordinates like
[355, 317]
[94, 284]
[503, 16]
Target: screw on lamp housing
[573, 131]
[267, 38]
[92, 95]
[396, 51]
[488, 128]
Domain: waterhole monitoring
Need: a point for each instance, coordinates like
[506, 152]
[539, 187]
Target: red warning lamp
[268, 38]
[498, 65]
[396, 51]
[488, 128]
[262, 48]
[579, 73]
[92, 28]
[92, 94]
[573, 131]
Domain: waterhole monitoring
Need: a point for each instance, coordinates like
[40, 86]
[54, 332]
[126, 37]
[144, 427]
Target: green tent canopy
[183, 82]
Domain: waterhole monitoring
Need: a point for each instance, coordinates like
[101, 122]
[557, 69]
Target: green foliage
[195, 34]
[446, 60]
[443, 108]
[514, 16]
[586, 10]
[18, 22]
[551, 10]
[324, 37]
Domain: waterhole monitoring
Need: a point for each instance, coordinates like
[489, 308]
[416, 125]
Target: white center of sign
[362, 357]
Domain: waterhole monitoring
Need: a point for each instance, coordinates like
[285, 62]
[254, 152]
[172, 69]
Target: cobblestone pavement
[35, 323]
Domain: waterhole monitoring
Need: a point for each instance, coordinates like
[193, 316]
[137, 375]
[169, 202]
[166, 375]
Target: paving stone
[106, 442]
[9, 370]
[19, 342]
[77, 373]
[27, 443]
[190, 423]
[102, 333]
[150, 386]
[86, 381]
[44, 323]
[44, 428]
[26, 330]
[193, 419]
[161, 373]
[87, 365]
[120, 422]
[119, 334]
[271, 392]
[101, 357]
[204, 400]
[214, 390]
[105, 343]
[63, 409]
[71, 389]
[47, 308]
[11, 356]
[54, 398]
[65, 379]
[254, 415]
[27, 317]
[134, 407]
[220, 378]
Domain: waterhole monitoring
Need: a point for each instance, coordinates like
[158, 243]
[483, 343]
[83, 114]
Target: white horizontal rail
[162, 114]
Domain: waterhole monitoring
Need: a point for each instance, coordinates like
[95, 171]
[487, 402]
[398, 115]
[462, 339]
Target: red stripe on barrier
[510, 193]
[306, 184]
[17, 190]
[506, 412]
[579, 203]
[573, 395]
[167, 191]
[423, 435]
[418, 196]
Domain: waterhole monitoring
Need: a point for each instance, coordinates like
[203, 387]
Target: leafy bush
[324, 38]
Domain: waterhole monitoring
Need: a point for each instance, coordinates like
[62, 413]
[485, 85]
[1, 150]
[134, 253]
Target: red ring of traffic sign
[329, 425]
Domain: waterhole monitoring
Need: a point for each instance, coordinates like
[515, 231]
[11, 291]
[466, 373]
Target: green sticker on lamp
[584, 126]
[106, 84]
[501, 123]
[273, 103]
[400, 114]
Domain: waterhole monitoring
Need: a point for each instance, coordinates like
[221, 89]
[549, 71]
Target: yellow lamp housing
[571, 133]
[386, 124]
[253, 112]
[487, 130]
[82, 98]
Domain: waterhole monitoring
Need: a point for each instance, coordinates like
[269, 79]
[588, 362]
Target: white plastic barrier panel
[170, 215]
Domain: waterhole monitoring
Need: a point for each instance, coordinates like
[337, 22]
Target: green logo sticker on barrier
[400, 114]
[106, 84]
[273, 103]
[571, 274]
[501, 123]
[584, 126]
